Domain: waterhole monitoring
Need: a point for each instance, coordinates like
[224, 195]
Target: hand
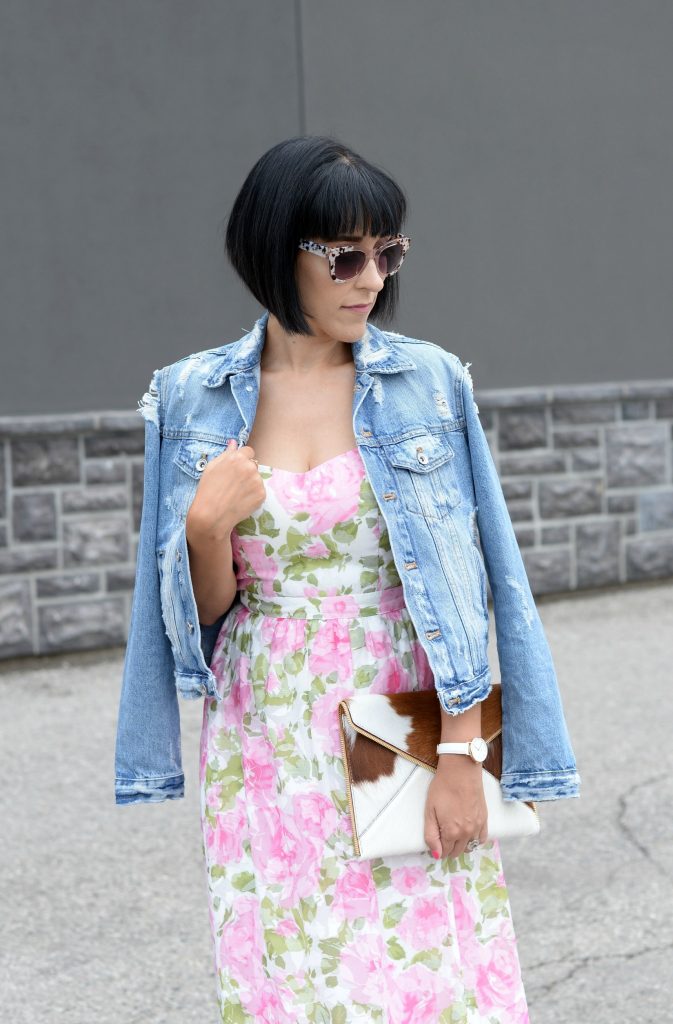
[455, 808]
[230, 488]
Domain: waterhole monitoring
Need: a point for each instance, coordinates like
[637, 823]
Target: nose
[370, 277]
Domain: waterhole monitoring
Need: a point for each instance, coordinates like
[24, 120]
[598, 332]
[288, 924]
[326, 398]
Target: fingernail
[435, 854]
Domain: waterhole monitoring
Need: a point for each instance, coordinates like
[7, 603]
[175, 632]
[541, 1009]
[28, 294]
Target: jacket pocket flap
[421, 453]
[193, 455]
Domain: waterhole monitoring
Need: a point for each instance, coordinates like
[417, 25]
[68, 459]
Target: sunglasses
[346, 261]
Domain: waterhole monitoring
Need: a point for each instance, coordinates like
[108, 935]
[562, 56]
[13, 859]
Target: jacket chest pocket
[424, 474]
[190, 460]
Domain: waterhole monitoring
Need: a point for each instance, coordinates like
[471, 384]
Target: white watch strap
[453, 748]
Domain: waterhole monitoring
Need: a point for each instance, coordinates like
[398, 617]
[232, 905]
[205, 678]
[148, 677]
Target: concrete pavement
[104, 911]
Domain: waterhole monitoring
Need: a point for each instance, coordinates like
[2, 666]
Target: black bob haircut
[309, 186]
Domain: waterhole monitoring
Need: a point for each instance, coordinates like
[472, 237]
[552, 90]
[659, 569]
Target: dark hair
[306, 187]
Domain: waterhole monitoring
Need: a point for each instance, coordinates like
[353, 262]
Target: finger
[431, 833]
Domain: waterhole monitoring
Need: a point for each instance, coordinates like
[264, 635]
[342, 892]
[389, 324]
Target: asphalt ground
[104, 909]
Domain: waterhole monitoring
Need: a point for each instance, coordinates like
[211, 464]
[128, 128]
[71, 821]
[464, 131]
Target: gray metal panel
[535, 143]
[127, 130]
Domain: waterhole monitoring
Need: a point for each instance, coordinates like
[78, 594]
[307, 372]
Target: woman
[296, 566]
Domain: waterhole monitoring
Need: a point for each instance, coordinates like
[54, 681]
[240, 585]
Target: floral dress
[301, 930]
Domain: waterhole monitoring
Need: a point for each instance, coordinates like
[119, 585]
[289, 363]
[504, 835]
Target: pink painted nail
[435, 854]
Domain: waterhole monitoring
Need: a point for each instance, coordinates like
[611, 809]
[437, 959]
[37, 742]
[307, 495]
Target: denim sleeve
[538, 759]
[148, 759]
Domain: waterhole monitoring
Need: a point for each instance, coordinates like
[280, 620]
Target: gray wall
[534, 140]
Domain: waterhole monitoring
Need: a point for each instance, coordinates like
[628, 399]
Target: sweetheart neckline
[305, 472]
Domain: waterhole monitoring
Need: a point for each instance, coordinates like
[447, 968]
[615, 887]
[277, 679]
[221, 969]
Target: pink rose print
[345, 824]
[329, 493]
[318, 549]
[409, 880]
[272, 682]
[243, 686]
[343, 606]
[315, 814]
[325, 718]
[241, 944]
[465, 921]
[213, 796]
[360, 970]
[259, 768]
[422, 666]
[287, 927]
[418, 995]
[499, 973]
[379, 643]
[391, 678]
[392, 602]
[355, 892]
[283, 636]
[267, 1003]
[224, 837]
[331, 649]
[426, 923]
[284, 855]
[263, 566]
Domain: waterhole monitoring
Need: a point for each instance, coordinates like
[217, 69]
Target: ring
[473, 844]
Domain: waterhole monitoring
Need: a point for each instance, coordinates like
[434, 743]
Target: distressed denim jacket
[427, 459]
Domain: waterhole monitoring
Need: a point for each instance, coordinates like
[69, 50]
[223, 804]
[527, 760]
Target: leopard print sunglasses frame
[332, 251]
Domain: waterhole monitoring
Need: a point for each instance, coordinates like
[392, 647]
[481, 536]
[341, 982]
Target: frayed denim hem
[553, 785]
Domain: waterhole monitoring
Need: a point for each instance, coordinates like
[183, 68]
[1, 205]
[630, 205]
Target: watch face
[479, 748]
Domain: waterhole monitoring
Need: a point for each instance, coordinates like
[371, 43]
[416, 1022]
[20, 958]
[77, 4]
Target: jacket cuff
[134, 791]
[456, 699]
[540, 785]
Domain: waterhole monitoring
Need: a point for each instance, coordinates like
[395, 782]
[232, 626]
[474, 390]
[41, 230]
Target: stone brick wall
[587, 472]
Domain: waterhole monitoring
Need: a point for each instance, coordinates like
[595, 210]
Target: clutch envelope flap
[409, 723]
[389, 745]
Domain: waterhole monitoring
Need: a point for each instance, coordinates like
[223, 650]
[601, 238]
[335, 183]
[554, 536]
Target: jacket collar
[374, 352]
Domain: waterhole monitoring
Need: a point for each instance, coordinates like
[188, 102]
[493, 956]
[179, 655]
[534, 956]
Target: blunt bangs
[309, 186]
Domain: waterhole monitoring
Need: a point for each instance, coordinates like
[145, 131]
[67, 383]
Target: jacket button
[178, 556]
[366, 433]
[201, 463]
[422, 458]
[190, 627]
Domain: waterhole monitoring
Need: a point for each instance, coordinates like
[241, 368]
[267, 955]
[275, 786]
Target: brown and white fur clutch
[389, 745]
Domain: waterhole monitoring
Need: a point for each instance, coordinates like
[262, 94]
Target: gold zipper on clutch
[356, 841]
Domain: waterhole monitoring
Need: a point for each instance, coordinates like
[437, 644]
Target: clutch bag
[389, 742]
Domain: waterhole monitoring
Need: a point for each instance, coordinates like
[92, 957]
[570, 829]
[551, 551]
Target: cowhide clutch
[389, 745]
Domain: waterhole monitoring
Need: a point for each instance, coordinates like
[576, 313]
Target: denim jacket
[427, 459]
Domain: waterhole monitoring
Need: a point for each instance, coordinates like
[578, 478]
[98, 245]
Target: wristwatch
[476, 748]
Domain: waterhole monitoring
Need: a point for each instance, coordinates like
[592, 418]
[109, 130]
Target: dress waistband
[323, 606]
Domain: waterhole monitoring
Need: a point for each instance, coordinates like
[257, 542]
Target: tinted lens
[390, 258]
[349, 264]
